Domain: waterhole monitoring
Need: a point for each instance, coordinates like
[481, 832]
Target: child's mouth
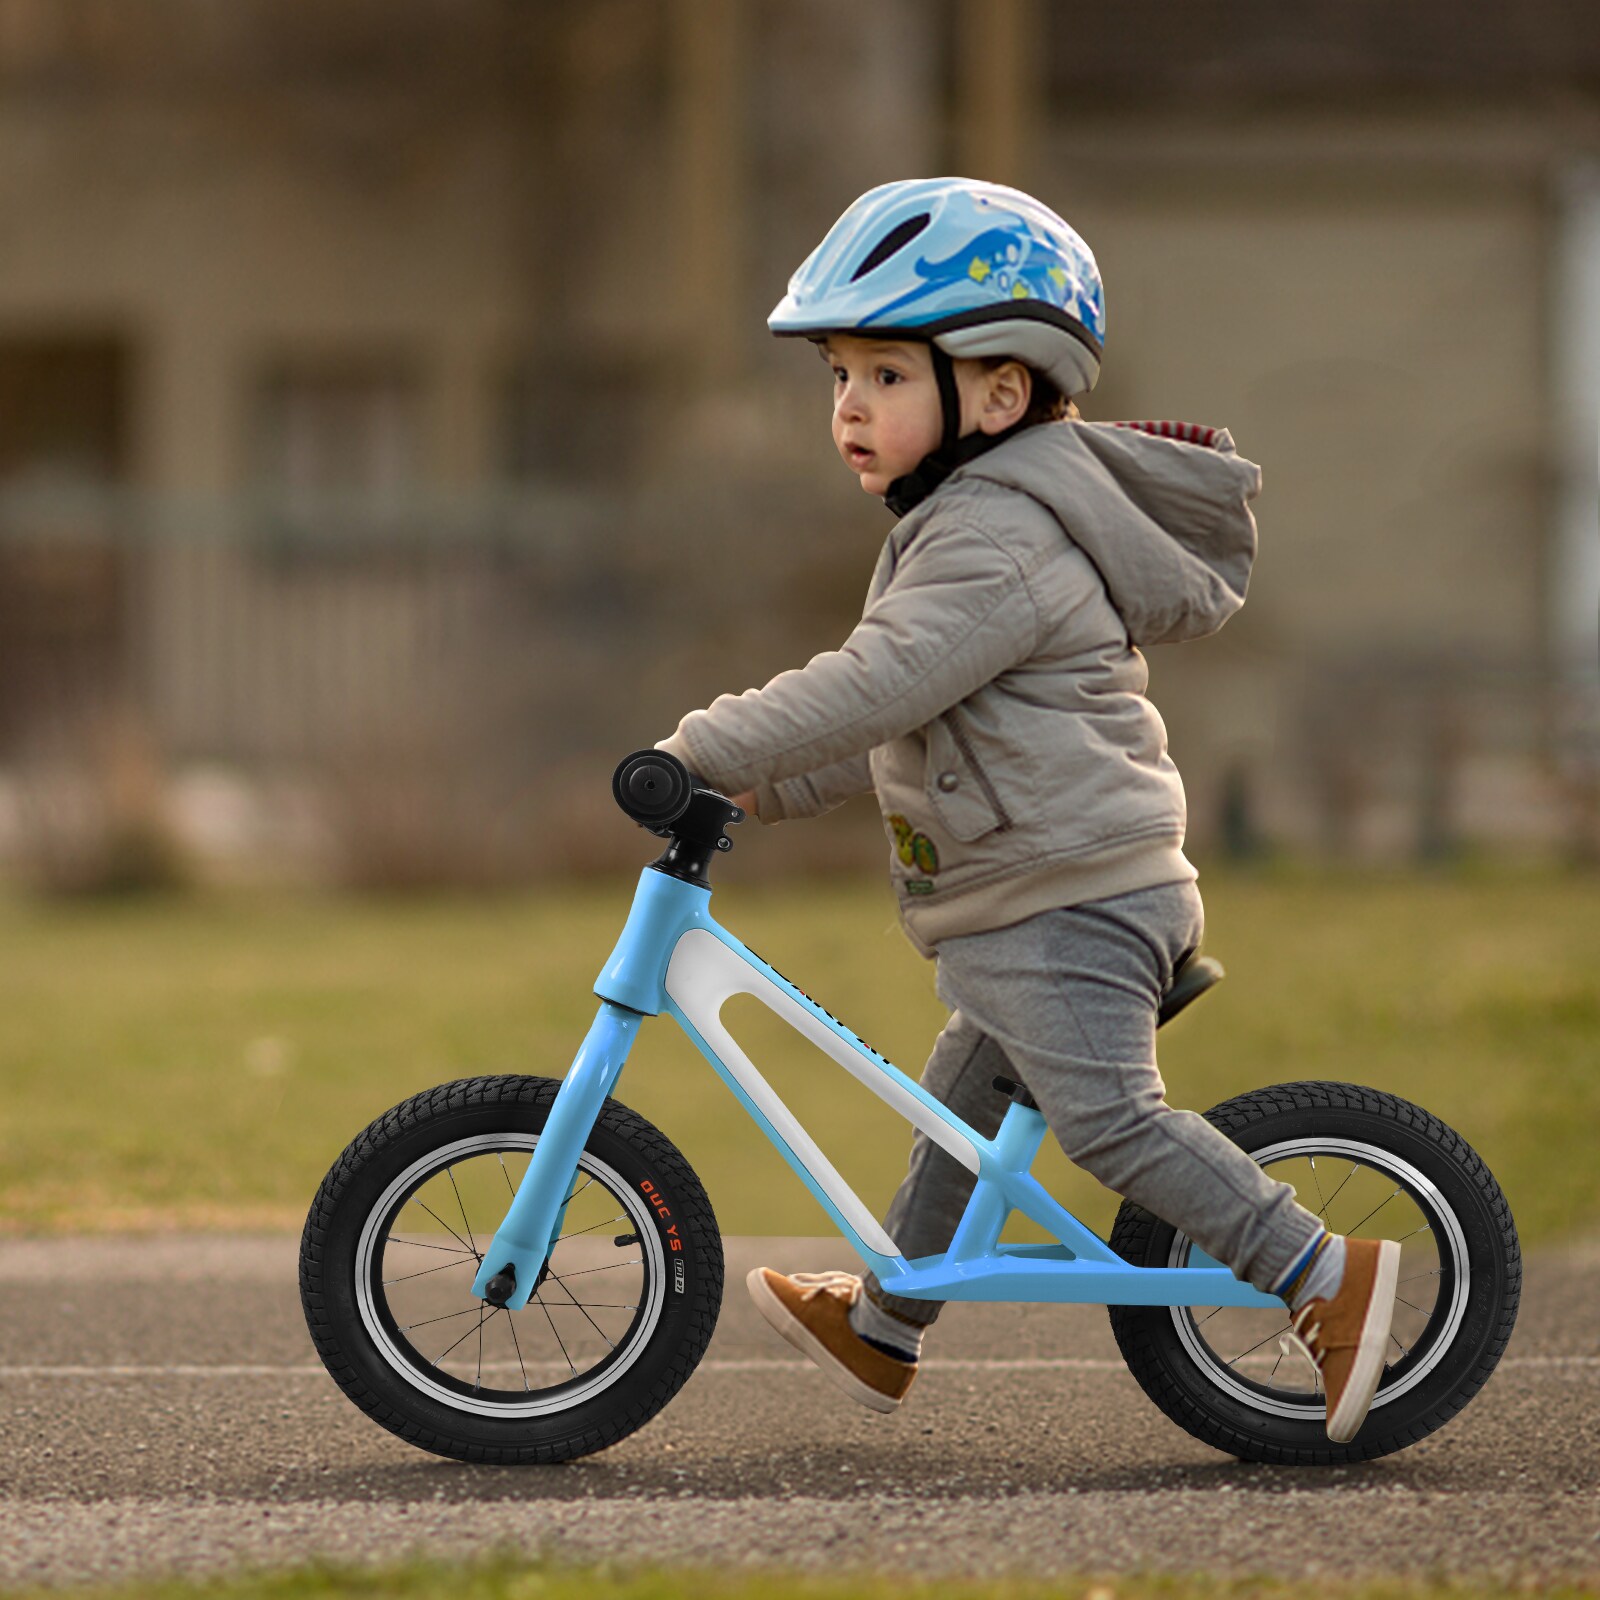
[856, 456]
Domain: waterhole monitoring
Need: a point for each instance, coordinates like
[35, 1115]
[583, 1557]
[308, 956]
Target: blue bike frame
[674, 957]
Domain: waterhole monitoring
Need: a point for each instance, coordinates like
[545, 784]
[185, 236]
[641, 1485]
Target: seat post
[1022, 1129]
[1021, 1132]
[1016, 1143]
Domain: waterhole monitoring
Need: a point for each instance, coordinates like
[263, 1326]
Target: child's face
[886, 411]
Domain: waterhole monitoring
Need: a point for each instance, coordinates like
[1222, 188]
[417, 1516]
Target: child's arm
[810, 795]
[813, 793]
[956, 614]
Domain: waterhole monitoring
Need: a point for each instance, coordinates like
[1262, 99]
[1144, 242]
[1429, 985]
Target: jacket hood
[1165, 519]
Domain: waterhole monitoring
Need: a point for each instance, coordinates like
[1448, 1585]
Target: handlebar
[653, 787]
[665, 798]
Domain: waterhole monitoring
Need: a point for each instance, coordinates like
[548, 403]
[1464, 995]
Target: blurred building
[389, 438]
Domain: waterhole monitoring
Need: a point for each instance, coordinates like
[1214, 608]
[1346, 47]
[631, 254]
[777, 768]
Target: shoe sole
[782, 1322]
[1345, 1423]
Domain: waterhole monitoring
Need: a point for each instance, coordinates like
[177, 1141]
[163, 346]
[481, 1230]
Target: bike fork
[510, 1266]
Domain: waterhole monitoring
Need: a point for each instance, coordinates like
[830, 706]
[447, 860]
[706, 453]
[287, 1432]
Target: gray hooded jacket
[992, 693]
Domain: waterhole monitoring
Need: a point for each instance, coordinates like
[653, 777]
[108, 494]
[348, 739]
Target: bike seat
[1194, 976]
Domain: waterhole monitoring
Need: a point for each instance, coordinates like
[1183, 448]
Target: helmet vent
[895, 239]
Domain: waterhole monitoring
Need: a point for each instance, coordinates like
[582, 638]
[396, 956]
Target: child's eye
[887, 375]
[840, 375]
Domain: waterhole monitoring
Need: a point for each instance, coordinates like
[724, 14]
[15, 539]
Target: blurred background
[390, 438]
[390, 441]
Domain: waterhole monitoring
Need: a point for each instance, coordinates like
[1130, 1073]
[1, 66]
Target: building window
[571, 424]
[338, 451]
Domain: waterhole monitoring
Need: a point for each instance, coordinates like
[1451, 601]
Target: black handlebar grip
[653, 787]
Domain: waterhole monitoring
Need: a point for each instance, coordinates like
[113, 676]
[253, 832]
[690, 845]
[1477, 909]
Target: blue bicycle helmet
[976, 269]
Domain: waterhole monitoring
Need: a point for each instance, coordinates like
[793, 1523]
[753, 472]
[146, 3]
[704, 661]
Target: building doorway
[63, 559]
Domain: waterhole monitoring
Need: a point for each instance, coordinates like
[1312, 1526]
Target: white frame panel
[703, 974]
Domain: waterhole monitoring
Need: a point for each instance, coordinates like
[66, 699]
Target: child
[993, 696]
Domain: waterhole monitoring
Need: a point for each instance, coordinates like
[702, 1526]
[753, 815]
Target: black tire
[1442, 1349]
[431, 1180]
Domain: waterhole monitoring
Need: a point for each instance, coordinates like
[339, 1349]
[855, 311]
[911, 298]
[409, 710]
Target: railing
[392, 689]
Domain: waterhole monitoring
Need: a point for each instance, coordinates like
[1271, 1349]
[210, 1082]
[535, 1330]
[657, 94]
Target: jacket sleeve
[814, 793]
[956, 614]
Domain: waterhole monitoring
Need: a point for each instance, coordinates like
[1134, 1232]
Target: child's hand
[746, 802]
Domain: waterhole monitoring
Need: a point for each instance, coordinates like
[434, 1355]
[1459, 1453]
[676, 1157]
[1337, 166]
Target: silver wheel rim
[406, 1366]
[1449, 1242]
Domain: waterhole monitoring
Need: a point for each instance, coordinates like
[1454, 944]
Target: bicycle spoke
[426, 1272]
[506, 1175]
[1415, 1275]
[447, 1228]
[450, 1173]
[428, 1321]
[464, 1337]
[1318, 1183]
[1373, 1212]
[559, 1340]
[416, 1244]
[1335, 1195]
[1316, 1376]
[1257, 1345]
[610, 1266]
[620, 1217]
[511, 1323]
[611, 1343]
[1403, 1301]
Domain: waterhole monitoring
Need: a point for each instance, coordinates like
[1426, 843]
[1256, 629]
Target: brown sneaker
[812, 1311]
[1346, 1338]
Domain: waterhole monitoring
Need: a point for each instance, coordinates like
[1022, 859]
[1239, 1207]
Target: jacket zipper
[959, 734]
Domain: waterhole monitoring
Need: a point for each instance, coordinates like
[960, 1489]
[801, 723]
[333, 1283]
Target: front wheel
[1374, 1166]
[620, 1317]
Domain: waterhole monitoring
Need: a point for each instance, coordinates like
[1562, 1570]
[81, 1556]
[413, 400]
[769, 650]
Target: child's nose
[850, 402]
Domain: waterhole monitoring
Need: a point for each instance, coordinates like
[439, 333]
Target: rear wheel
[1371, 1165]
[620, 1317]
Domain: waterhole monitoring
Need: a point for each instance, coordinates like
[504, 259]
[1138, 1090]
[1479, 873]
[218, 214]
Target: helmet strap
[944, 373]
[909, 491]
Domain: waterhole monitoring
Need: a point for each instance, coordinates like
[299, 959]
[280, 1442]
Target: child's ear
[1008, 390]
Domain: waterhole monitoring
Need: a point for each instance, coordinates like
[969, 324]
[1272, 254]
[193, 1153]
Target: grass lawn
[199, 1063]
[513, 1580]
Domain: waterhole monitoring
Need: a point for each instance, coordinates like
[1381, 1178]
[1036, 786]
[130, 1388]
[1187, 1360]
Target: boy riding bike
[993, 697]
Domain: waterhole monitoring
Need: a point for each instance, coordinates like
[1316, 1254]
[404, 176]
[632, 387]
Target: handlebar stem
[696, 836]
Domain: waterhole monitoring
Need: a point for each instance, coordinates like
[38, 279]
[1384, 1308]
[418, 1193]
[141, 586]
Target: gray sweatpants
[1066, 1002]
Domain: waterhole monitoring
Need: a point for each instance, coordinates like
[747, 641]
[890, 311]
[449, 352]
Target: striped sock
[884, 1331]
[1316, 1273]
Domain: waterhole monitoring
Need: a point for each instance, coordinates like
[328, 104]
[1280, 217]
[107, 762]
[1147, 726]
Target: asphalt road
[161, 1409]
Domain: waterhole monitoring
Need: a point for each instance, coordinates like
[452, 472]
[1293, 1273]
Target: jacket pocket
[961, 793]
